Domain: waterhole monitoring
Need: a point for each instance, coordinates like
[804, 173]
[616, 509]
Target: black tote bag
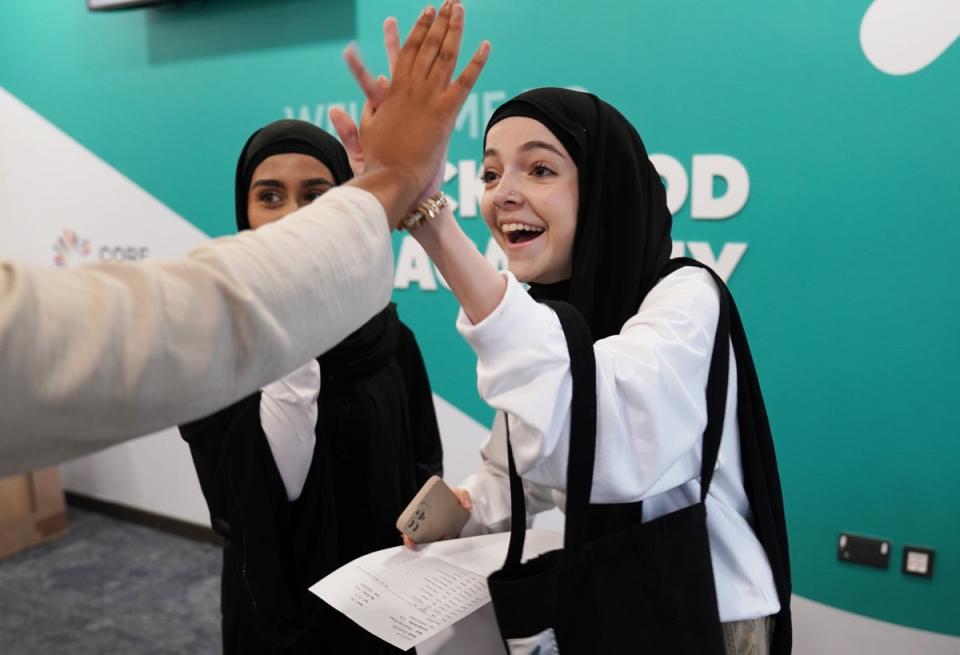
[617, 585]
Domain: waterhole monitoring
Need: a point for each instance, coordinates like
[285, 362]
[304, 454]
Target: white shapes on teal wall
[319, 114]
[823, 630]
[450, 172]
[495, 256]
[469, 188]
[472, 119]
[705, 169]
[901, 37]
[477, 110]
[51, 187]
[724, 263]
[413, 266]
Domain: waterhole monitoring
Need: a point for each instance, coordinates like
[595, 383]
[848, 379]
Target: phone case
[435, 512]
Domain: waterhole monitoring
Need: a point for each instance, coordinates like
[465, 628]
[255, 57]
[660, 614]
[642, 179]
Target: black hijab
[621, 250]
[376, 339]
[622, 240]
[284, 137]
[377, 442]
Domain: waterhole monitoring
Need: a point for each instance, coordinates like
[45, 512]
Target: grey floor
[111, 587]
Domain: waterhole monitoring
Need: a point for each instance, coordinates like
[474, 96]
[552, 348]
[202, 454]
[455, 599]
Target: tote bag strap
[583, 431]
[583, 420]
[718, 377]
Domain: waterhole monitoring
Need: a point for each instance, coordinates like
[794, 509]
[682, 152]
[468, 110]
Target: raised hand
[341, 120]
[408, 125]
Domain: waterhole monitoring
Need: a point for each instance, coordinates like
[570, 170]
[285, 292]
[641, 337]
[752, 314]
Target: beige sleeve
[98, 354]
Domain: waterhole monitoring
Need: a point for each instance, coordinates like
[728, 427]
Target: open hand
[341, 120]
[408, 120]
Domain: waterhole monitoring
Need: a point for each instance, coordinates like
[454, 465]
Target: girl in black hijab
[313, 470]
[573, 199]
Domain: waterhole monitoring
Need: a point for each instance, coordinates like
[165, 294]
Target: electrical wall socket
[863, 550]
[918, 561]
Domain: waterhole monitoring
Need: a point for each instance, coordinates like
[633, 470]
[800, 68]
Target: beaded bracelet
[426, 211]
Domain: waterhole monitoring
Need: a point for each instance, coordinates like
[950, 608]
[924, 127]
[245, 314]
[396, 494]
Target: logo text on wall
[707, 173]
[71, 249]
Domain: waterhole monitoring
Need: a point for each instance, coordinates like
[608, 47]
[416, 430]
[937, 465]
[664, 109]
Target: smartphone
[435, 512]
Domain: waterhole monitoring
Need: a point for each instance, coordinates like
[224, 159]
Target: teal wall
[847, 287]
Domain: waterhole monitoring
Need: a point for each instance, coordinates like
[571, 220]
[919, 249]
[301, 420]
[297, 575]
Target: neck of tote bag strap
[583, 423]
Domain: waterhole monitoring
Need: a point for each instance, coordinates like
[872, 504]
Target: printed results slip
[406, 596]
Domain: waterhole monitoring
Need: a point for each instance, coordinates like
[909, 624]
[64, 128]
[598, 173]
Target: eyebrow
[316, 181]
[526, 147]
[277, 184]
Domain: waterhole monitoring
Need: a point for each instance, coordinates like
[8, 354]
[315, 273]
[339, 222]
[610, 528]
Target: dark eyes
[276, 198]
[538, 169]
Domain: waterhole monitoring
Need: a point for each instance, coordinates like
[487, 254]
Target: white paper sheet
[407, 596]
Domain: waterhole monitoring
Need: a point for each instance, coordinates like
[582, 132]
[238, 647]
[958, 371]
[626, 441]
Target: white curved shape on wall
[824, 630]
[818, 630]
[901, 37]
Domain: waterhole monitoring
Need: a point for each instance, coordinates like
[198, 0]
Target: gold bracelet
[428, 209]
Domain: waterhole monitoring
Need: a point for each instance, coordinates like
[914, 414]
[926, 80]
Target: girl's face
[530, 199]
[281, 184]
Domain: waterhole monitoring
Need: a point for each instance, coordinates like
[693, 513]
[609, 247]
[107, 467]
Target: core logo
[69, 248]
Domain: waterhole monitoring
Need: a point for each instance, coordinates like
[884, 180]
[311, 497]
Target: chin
[546, 277]
[522, 272]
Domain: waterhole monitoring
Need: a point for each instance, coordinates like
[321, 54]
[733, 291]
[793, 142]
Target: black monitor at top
[108, 5]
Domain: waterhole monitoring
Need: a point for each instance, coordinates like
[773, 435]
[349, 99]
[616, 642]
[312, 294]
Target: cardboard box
[32, 510]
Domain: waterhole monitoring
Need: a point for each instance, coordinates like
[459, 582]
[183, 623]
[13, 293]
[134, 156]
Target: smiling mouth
[517, 233]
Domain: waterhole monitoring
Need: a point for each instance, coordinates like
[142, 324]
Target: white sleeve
[288, 415]
[489, 488]
[102, 353]
[651, 381]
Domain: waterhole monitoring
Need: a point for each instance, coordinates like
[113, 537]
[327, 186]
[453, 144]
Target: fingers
[391, 41]
[464, 497]
[349, 136]
[383, 86]
[446, 59]
[427, 54]
[468, 77]
[414, 117]
[346, 129]
[366, 113]
[408, 542]
[366, 81]
[411, 46]
[431, 48]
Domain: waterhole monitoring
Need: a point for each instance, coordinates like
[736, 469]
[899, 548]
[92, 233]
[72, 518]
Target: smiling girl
[571, 197]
